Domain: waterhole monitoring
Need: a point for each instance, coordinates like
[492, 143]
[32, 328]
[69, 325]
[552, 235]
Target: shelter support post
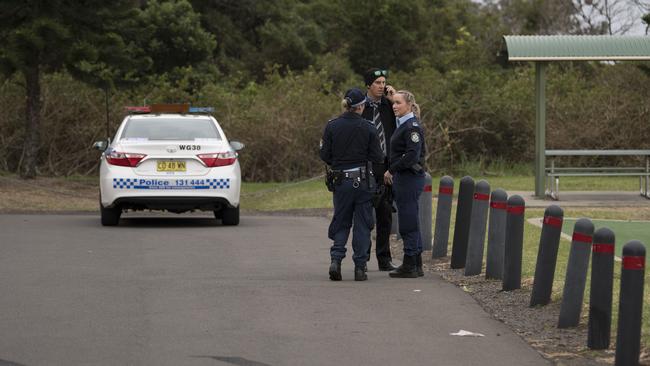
[540, 127]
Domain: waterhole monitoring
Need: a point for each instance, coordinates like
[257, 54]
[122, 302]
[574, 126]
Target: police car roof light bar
[201, 109]
[141, 109]
[170, 108]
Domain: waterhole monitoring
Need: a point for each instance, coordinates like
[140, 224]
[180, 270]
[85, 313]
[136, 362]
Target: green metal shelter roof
[576, 48]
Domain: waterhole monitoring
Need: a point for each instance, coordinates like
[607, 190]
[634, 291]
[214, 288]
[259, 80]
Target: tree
[255, 36]
[170, 33]
[610, 16]
[46, 36]
[542, 17]
[104, 43]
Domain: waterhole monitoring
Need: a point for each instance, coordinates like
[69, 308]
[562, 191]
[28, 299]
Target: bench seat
[553, 173]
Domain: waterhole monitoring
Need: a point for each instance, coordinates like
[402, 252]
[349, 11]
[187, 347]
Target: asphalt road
[187, 291]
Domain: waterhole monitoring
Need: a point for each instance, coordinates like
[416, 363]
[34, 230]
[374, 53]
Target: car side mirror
[236, 145]
[100, 145]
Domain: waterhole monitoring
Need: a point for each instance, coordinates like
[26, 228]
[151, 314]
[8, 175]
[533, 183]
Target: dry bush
[469, 114]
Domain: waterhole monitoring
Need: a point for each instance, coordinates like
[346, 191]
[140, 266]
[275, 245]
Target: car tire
[110, 216]
[230, 216]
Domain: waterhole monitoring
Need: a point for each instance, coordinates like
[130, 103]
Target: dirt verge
[536, 325]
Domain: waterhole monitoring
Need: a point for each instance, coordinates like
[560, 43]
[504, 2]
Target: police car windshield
[170, 129]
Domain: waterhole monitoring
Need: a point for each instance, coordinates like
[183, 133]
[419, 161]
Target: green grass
[275, 196]
[624, 231]
[313, 194]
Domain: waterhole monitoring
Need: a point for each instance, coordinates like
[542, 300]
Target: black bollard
[630, 308]
[476, 240]
[461, 228]
[424, 204]
[576, 274]
[496, 234]
[443, 217]
[549, 242]
[600, 295]
[514, 243]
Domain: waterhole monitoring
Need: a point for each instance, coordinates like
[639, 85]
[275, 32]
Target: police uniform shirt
[350, 141]
[407, 144]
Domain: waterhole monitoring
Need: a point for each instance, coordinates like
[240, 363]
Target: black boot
[335, 270]
[360, 273]
[408, 269]
[386, 265]
[418, 264]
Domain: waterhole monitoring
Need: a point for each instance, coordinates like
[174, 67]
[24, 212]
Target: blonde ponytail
[344, 105]
[416, 110]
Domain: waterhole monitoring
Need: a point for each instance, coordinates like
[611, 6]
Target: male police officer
[379, 110]
[349, 146]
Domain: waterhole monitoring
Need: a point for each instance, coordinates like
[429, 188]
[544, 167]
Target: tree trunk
[32, 123]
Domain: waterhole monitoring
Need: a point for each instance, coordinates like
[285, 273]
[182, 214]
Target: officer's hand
[390, 91]
[388, 178]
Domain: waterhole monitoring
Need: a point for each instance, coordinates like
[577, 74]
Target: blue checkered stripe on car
[124, 183]
[133, 183]
[222, 183]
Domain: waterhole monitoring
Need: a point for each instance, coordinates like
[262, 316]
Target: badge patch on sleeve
[415, 137]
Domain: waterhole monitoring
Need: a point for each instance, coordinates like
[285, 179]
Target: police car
[170, 157]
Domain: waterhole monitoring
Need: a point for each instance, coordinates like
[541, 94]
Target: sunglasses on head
[380, 73]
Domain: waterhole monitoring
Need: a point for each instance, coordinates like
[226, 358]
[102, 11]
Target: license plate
[171, 166]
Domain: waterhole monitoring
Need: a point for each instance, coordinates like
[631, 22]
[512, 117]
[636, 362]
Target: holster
[331, 179]
[417, 168]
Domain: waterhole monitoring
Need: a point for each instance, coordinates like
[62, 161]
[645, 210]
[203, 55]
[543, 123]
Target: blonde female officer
[406, 175]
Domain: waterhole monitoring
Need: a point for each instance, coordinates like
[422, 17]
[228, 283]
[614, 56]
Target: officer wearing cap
[349, 147]
[406, 174]
[379, 111]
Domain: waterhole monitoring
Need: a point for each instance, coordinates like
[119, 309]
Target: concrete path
[587, 199]
[180, 290]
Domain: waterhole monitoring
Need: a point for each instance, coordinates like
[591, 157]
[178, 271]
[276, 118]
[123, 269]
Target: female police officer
[348, 146]
[406, 174]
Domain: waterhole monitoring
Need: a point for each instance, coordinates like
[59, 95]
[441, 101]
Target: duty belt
[354, 173]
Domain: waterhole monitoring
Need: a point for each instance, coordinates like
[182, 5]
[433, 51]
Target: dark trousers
[384, 216]
[351, 205]
[407, 188]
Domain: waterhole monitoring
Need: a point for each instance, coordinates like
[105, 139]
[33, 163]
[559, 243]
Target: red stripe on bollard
[427, 188]
[582, 237]
[499, 205]
[517, 210]
[603, 248]
[446, 190]
[553, 221]
[481, 196]
[633, 262]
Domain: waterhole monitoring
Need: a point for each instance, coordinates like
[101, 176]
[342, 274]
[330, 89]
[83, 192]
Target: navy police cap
[355, 97]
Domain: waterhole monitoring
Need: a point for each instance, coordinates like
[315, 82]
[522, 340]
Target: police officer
[379, 111]
[349, 146]
[406, 175]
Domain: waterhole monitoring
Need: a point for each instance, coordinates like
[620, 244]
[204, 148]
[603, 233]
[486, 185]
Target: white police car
[169, 157]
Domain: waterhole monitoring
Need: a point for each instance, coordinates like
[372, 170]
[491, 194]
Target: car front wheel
[110, 216]
[230, 216]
